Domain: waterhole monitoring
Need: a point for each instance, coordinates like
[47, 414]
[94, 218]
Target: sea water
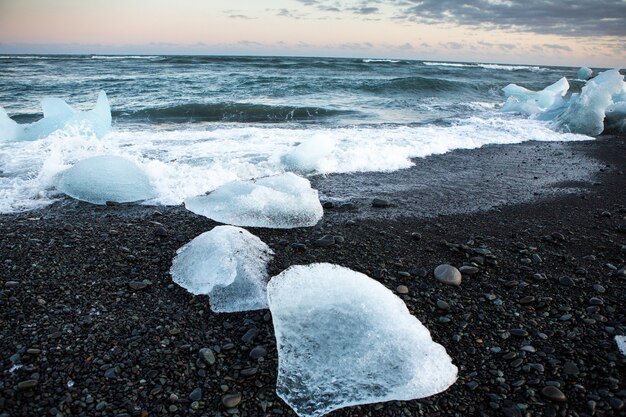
[194, 123]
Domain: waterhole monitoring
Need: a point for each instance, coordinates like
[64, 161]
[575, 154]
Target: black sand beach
[92, 324]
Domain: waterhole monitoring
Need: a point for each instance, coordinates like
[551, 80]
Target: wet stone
[196, 394]
[448, 274]
[566, 281]
[554, 394]
[258, 352]
[231, 400]
[207, 355]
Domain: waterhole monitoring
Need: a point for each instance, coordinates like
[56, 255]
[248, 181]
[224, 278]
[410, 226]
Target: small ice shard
[105, 178]
[344, 339]
[585, 112]
[227, 263]
[308, 156]
[522, 100]
[283, 201]
[584, 73]
[57, 114]
[621, 344]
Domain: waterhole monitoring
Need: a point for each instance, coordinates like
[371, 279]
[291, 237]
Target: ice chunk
[585, 113]
[283, 202]
[522, 100]
[615, 121]
[105, 178]
[344, 339]
[229, 264]
[57, 114]
[584, 73]
[621, 344]
[309, 155]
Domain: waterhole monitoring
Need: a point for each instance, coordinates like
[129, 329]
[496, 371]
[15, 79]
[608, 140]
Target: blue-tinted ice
[344, 339]
[283, 202]
[227, 263]
[106, 178]
[57, 114]
[599, 105]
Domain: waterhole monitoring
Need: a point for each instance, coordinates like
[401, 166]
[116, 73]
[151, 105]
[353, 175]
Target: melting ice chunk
[309, 155]
[344, 339]
[283, 201]
[57, 114]
[621, 344]
[227, 263]
[105, 178]
[585, 113]
[584, 73]
[522, 100]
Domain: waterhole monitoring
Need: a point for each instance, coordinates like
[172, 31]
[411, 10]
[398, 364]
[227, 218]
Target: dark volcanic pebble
[554, 394]
[325, 241]
[231, 400]
[258, 352]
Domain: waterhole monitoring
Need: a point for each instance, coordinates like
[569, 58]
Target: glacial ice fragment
[584, 73]
[344, 339]
[283, 201]
[227, 263]
[105, 178]
[621, 344]
[585, 112]
[57, 114]
[522, 100]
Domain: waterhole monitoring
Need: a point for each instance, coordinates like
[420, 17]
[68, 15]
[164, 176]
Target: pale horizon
[566, 33]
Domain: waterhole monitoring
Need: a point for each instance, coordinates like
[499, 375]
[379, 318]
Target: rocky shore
[92, 324]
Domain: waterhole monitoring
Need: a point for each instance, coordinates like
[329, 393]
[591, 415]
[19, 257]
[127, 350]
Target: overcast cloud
[555, 17]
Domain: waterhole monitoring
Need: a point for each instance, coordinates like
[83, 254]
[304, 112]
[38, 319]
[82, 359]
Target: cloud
[557, 17]
[556, 47]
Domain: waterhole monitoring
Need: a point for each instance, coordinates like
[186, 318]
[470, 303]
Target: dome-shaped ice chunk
[105, 178]
[344, 339]
[227, 263]
[584, 73]
[283, 202]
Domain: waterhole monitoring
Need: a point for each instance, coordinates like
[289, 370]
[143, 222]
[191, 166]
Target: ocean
[193, 123]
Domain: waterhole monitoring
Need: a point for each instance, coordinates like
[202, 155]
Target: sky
[549, 32]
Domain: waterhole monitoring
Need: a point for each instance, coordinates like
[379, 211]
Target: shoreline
[86, 295]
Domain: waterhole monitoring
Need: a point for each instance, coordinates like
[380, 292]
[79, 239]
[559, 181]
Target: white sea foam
[186, 163]
[487, 66]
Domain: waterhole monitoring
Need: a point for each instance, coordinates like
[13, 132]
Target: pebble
[416, 236]
[443, 305]
[599, 288]
[110, 373]
[468, 270]
[325, 241]
[231, 400]
[380, 203]
[207, 355]
[138, 285]
[258, 352]
[196, 394]
[249, 335]
[554, 394]
[570, 368]
[527, 300]
[567, 281]
[11, 284]
[448, 274]
[28, 384]
[519, 332]
[402, 289]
